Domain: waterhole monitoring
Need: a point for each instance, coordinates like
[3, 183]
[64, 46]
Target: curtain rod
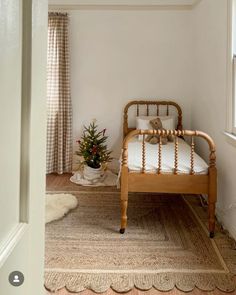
[58, 13]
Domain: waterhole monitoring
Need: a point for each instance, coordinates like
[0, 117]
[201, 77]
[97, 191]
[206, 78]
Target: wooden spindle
[159, 155]
[192, 156]
[143, 155]
[176, 155]
[137, 110]
[212, 159]
[157, 110]
[167, 110]
[125, 126]
[125, 157]
[147, 110]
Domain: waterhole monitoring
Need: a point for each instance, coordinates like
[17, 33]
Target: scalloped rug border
[100, 283]
[186, 282]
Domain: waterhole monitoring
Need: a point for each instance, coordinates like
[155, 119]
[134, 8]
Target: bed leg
[212, 196]
[124, 206]
[211, 219]
[124, 198]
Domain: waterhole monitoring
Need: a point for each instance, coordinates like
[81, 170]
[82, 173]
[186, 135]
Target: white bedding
[135, 158]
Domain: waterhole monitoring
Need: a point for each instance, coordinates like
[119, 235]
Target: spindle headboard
[137, 103]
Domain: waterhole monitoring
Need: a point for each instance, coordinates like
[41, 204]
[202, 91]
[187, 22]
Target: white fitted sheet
[168, 154]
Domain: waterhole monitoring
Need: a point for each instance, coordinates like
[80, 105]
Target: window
[234, 96]
[231, 65]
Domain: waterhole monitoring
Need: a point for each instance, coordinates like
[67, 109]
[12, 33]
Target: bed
[170, 168]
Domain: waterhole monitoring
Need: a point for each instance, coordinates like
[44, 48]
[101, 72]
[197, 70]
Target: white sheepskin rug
[58, 205]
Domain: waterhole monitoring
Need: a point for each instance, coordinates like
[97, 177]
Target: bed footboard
[191, 183]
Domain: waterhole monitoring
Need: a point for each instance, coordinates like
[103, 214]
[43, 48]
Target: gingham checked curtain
[59, 110]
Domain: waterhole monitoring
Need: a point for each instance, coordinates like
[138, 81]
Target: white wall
[210, 99]
[120, 55]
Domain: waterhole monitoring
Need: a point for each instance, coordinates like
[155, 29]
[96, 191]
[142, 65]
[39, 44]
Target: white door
[23, 42]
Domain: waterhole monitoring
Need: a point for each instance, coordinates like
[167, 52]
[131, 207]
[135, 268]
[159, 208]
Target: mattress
[168, 155]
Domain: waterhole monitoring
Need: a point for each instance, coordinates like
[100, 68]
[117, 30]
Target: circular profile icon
[16, 278]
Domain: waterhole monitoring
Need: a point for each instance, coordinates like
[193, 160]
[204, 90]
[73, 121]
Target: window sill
[231, 138]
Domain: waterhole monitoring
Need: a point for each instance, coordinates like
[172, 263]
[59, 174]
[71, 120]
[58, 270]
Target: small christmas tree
[93, 148]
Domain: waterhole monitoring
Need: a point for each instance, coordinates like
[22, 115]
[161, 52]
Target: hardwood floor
[56, 183]
[59, 183]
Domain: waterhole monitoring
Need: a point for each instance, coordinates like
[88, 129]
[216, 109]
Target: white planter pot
[93, 174]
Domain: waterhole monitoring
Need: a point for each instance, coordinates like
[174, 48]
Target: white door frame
[23, 246]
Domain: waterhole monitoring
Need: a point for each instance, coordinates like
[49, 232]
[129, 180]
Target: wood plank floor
[59, 183]
[56, 183]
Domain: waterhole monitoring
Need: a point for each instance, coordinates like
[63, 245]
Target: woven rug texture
[166, 245]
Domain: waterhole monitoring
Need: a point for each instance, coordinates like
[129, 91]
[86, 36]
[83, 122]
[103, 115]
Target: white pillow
[143, 122]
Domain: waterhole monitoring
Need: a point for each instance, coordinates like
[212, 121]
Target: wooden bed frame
[167, 183]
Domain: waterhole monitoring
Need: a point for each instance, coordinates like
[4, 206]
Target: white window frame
[234, 97]
[231, 72]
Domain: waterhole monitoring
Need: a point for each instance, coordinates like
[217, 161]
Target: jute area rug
[166, 245]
